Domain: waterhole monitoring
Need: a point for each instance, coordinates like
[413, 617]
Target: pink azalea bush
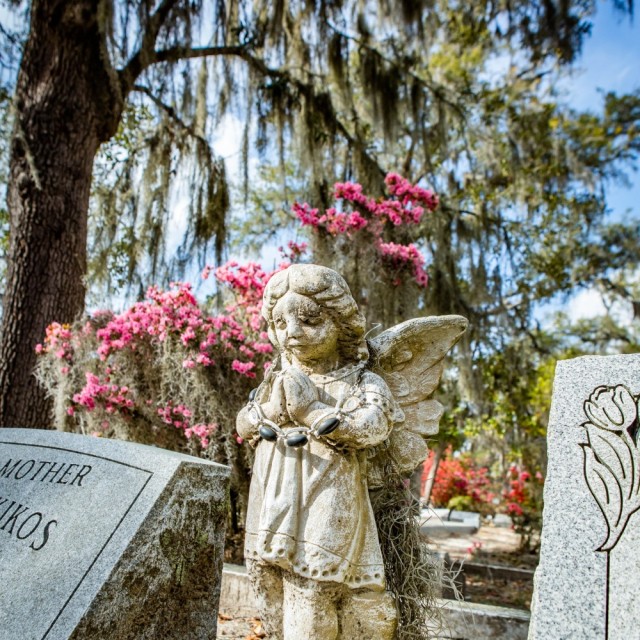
[163, 371]
[164, 367]
[357, 214]
[166, 373]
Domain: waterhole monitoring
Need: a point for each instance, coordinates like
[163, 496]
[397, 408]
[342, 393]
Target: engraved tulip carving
[613, 409]
[612, 457]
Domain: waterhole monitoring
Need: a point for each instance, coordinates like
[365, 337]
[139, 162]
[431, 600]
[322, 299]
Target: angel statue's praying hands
[327, 423]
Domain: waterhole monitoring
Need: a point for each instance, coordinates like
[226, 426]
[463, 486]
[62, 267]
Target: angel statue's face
[305, 330]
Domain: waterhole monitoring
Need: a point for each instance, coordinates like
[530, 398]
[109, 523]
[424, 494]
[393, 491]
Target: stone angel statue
[327, 421]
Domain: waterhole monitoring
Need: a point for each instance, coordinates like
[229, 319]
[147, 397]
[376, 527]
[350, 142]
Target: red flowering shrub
[523, 502]
[460, 483]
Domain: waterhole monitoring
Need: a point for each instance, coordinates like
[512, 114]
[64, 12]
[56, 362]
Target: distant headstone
[502, 520]
[109, 540]
[435, 521]
[588, 580]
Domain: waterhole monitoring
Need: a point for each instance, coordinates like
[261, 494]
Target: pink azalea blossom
[244, 368]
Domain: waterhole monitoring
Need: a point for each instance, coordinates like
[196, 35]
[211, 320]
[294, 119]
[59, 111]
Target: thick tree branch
[144, 56]
[175, 54]
[173, 115]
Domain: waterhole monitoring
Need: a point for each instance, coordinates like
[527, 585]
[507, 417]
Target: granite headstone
[106, 539]
[588, 579]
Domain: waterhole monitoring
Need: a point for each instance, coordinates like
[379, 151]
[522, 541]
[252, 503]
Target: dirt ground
[494, 546]
[239, 628]
[488, 540]
[490, 545]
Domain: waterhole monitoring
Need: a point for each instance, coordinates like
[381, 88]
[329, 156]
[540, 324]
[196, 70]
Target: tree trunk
[66, 105]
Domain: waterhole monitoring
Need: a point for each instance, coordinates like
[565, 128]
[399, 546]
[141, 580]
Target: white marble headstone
[107, 539]
[587, 585]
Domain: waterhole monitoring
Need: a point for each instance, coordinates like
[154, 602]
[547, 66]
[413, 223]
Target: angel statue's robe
[309, 510]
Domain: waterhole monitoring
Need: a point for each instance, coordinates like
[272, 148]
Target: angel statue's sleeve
[367, 414]
[410, 359]
[246, 427]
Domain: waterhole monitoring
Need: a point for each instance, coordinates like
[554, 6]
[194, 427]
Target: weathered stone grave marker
[588, 580]
[107, 539]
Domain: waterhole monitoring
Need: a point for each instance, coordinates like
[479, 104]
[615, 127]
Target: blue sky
[610, 58]
[610, 62]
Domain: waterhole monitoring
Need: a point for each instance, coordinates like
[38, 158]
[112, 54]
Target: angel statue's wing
[410, 358]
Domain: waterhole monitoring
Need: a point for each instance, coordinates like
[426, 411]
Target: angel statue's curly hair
[328, 290]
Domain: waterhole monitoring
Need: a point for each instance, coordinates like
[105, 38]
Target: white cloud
[586, 304]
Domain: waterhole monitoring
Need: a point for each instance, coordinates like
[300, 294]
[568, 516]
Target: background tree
[324, 77]
[523, 218]
[5, 130]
